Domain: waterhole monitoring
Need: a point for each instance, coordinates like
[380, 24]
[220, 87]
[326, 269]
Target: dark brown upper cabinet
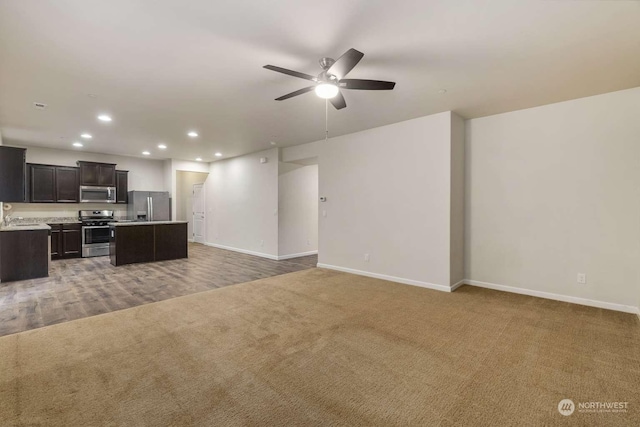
[53, 184]
[12, 174]
[122, 186]
[67, 185]
[42, 183]
[98, 174]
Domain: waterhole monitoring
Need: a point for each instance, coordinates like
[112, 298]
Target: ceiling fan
[329, 82]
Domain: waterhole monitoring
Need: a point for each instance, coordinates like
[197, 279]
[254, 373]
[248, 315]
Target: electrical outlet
[366, 257]
[582, 278]
[261, 242]
[308, 242]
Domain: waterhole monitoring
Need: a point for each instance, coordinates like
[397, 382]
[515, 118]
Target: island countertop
[129, 223]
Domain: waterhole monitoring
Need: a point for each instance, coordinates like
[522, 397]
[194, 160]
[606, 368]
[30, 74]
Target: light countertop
[125, 224]
[25, 227]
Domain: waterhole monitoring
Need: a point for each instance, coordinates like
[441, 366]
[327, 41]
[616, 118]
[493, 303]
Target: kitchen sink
[24, 225]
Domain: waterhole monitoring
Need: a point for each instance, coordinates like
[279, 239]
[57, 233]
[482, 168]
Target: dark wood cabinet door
[24, 255]
[42, 183]
[12, 174]
[56, 240]
[71, 240]
[122, 186]
[139, 245]
[107, 175]
[67, 185]
[98, 174]
[171, 241]
[89, 173]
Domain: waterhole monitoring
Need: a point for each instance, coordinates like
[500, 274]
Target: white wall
[303, 154]
[388, 195]
[297, 210]
[457, 199]
[242, 203]
[554, 191]
[184, 196]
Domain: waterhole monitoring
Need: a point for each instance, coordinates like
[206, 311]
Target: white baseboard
[190, 240]
[557, 297]
[242, 251]
[443, 288]
[457, 285]
[290, 256]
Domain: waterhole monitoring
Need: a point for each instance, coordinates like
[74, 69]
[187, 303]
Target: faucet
[7, 220]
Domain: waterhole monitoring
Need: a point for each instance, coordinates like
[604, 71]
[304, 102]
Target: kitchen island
[24, 252]
[149, 241]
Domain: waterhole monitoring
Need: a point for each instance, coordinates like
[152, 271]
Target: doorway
[198, 213]
[185, 181]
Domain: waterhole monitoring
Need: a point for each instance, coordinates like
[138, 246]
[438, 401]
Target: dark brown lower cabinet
[66, 241]
[130, 244]
[56, 240]
[24, 255]
[171, 241]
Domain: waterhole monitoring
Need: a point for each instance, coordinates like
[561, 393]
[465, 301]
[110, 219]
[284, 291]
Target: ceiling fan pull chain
[326, 120]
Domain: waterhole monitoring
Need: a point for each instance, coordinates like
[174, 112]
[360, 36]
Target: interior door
[198, 213]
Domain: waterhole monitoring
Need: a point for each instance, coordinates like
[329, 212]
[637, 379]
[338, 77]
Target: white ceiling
[161, 67]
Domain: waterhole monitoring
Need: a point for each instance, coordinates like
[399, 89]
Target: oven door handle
[95, 226]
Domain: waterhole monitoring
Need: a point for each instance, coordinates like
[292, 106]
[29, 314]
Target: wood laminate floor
[84, 287]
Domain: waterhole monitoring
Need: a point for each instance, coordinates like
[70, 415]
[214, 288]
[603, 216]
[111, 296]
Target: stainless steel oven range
[95, 232]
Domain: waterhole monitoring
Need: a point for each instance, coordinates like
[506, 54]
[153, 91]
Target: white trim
[457, 285]
[281, 257]
[557, 297]
[242, 251]
[191, 241]
[385, 277]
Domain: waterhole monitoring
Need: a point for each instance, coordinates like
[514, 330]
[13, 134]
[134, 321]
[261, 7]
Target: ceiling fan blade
[296, 93]
[345, 63]
[338, 101]
[291, 72]
[366, 84]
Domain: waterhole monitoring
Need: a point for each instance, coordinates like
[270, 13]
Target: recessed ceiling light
[193, 134]
[198, 159]
[218, 154]
[146, 153]
[273, 142]
[441, 91]
[104, 118]
[78, 144]
[86, 136]
[162, 146]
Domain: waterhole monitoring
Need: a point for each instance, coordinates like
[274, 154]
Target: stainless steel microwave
[91, 194]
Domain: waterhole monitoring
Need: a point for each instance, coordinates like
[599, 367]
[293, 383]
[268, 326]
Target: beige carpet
[324, 348]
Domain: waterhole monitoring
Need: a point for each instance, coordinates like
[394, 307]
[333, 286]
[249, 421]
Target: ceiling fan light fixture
[326, 90]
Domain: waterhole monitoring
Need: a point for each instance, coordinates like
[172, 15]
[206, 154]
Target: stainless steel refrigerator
[149, 206]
